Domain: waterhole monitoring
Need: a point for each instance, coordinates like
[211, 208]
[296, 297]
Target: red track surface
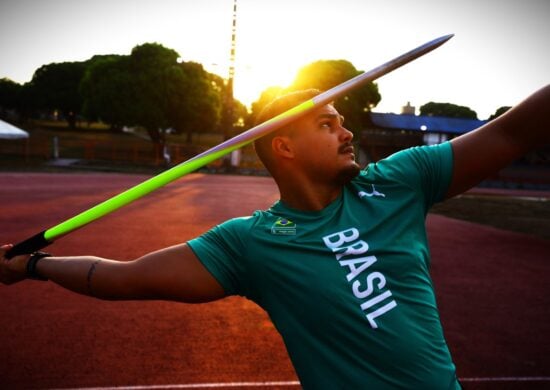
[492, 288]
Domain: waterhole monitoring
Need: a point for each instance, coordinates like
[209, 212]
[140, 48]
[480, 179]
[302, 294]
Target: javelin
[48, 236]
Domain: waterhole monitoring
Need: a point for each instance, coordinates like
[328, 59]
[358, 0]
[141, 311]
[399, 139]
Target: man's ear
[282, 146]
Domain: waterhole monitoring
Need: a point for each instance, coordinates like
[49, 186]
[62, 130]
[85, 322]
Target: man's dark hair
[284, 103]
[275, 107]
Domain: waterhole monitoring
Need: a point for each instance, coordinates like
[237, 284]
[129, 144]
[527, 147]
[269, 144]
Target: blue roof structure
[434, 124]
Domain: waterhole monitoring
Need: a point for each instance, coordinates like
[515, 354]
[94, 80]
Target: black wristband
[31, 265]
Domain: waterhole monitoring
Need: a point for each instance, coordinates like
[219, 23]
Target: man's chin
[348, 173]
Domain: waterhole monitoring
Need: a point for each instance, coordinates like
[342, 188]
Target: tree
[150, 89]
[152, 68]
[132, 90]
[265, 97]
[241, 115]
[195, 100]
[108, 90]
[56, 87]
[325, 74]
[9, 94]
[499, 112]
[448, 110]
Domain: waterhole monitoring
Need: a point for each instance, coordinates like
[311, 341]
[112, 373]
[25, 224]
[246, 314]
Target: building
[385, 134]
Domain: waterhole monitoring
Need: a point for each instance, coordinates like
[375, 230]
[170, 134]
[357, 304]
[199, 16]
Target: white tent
[8, 131]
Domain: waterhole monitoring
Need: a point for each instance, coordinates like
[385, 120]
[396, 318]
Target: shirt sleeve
[221, 250]
[426, 169]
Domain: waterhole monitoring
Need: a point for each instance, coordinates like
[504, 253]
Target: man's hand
[13, 270]
[485, 151]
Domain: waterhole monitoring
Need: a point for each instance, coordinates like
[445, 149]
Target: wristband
[31, 265]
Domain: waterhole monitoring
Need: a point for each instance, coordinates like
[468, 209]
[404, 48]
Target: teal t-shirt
[348, 287]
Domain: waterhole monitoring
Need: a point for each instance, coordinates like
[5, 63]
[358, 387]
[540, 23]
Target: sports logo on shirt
[363, 194]
[283, 227]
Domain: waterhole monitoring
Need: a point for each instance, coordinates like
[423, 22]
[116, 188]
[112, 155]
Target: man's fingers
[13, 270]
[4, 248]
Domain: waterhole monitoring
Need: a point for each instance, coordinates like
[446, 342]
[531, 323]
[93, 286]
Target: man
[340, 263]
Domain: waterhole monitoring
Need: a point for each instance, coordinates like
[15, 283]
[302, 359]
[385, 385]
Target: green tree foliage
[241, 116]
[150, 89]
[323, 75]
[108, 90]
[10, 92]
[196, 100]
[153, 72]
[499, 112]
[56, 87]
[326, 74]
[448, 110]
[237, 115]
[265, 97]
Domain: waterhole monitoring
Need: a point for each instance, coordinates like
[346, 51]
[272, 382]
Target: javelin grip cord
[30, 245]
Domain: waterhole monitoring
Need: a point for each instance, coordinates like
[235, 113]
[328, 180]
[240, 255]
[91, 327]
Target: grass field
[523, 215]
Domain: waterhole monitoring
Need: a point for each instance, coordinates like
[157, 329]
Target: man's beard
[348, 173]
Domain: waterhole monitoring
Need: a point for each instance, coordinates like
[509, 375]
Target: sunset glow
[498, 55]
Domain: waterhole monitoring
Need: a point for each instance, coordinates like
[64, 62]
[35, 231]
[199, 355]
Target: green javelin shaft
[46, 237]
[158, 181]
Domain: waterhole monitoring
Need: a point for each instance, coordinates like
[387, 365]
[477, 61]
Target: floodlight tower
[233, 43]
[227, 119]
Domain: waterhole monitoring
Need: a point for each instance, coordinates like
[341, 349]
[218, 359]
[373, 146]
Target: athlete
[340, 262]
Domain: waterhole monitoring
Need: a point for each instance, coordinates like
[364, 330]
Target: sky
[498, 56]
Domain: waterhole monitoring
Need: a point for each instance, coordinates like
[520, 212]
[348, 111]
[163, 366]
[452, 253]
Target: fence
[125, 150]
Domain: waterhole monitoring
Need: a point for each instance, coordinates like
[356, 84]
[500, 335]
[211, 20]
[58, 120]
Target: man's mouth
[346, 149]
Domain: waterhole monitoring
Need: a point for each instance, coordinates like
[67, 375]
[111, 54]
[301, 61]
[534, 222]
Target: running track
[492, 289]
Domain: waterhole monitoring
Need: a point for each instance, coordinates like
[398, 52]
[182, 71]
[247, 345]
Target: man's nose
[346, 135]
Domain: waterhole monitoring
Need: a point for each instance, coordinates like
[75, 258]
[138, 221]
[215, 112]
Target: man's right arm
[173, 273]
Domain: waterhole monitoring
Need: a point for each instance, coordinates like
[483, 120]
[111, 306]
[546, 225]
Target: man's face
[323, 146]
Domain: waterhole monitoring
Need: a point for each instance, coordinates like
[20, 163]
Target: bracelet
[31, 265]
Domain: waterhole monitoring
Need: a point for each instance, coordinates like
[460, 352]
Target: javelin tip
[431, 45]
[445, 38]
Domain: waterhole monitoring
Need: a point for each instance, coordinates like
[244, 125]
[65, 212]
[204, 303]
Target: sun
[251, 80]
[268, 54]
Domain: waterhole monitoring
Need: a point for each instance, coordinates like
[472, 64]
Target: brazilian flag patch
[283, 227]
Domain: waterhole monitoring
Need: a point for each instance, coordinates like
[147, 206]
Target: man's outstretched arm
[172, 273]
[483, 152]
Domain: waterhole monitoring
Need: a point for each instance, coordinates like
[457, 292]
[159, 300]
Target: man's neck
[308, 197]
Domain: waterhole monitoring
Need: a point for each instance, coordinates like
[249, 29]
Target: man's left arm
[483, 152]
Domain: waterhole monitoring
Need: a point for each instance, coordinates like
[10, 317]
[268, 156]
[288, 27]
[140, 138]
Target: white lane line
[508, 379]
[193, 386]
[222, 385]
